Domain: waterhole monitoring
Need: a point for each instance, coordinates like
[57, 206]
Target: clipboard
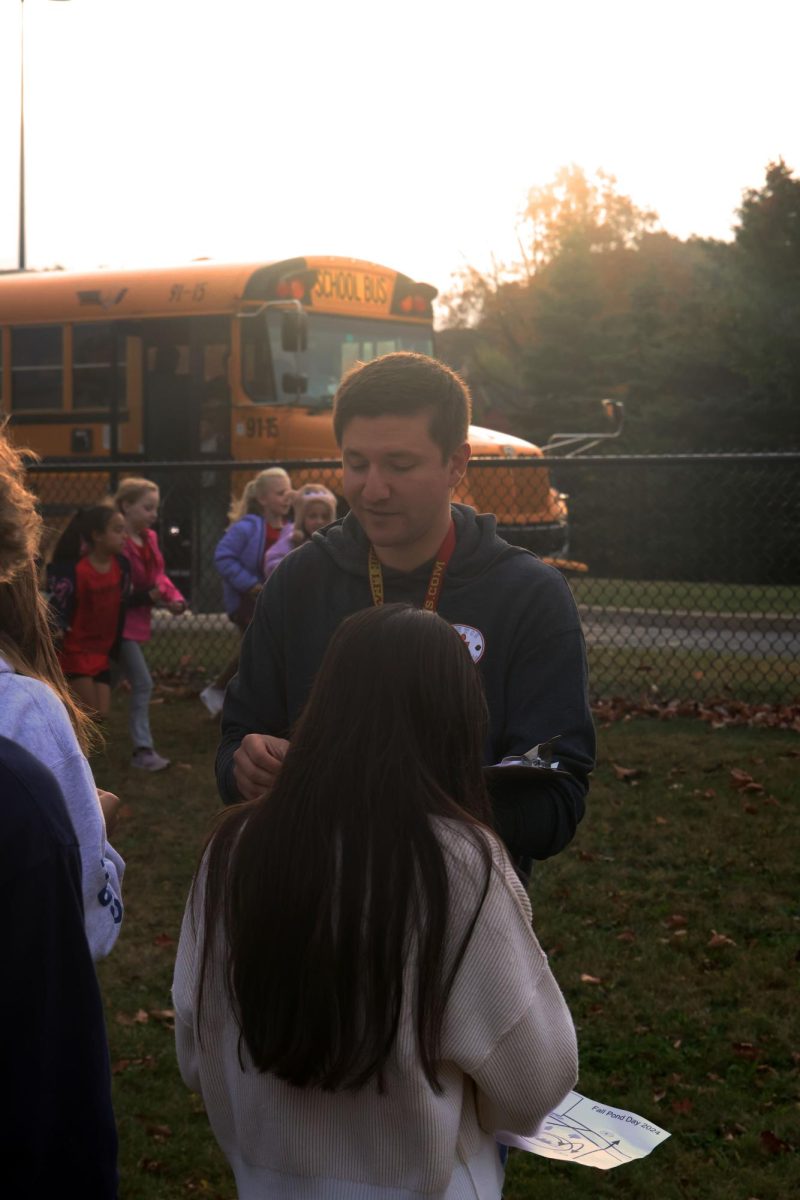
[536, 762]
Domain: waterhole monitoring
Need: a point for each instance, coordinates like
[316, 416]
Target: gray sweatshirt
[33, 716]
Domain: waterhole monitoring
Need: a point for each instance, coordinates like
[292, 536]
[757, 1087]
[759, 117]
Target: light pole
[21, 264]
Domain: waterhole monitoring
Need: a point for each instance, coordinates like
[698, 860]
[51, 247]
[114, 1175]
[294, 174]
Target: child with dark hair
[360, 998]
[88, 581]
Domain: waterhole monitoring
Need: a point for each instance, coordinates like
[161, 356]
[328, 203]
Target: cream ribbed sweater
[509, 1056]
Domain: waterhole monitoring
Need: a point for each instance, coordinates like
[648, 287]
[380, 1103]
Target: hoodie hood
[478, 547]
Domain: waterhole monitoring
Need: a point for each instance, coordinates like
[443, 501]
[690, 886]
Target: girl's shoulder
[31, 708]
[249, 525]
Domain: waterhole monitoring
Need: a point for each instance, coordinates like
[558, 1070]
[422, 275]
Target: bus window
[92, 365]
[337, 343]
[37, 360]
[256, 363]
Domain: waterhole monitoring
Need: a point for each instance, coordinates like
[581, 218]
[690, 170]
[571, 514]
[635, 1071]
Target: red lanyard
[434, 591]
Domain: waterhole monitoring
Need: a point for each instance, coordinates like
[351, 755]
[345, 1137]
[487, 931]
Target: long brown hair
[26, 639]
[339, 870]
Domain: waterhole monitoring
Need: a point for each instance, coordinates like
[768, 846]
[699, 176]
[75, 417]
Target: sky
[407, 133]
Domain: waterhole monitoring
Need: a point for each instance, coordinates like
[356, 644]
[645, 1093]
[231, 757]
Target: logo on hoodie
[473, 639]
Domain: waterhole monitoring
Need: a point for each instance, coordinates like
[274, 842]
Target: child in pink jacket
[137, 500]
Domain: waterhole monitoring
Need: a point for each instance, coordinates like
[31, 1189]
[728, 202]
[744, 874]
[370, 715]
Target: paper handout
[596, 1135]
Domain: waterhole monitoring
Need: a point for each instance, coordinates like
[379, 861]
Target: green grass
[701, 1039]
[666, 595]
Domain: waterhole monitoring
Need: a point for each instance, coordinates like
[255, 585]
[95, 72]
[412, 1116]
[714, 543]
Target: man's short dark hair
[404, 384]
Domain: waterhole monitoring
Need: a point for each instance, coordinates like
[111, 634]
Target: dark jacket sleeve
[547, 694]
[127, 593]
[255, 701]
[61, 592]
[56, 1120]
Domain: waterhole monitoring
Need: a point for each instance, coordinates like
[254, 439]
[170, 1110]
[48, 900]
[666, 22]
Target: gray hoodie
[32, 715]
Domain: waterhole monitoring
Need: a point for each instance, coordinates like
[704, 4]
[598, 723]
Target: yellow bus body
[81, 371]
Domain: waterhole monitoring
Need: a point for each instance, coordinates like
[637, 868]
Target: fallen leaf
[676, 921]
[627, 935]
[626, 773]
[773, 1144]
[744, 1049]
[159, 1132]
[682, 1106]
[662, 821]
[658, 1097]
[719, 939]
[122, 1064]
[151, 1165]
[590, 979]
[162, 1014]
[739, 779]
[163, 939]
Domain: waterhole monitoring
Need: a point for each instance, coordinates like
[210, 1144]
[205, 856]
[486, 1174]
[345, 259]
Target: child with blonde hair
[138, 499]
[257, 521]
[314, 508]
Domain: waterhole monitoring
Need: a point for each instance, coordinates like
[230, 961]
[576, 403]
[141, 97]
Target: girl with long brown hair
[37, 710]
[360, 997]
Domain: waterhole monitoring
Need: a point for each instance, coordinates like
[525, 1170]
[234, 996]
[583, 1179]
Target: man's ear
[457, 463]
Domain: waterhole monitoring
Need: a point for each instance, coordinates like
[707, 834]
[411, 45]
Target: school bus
[231, 362]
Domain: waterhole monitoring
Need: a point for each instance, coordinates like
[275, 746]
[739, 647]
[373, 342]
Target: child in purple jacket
[314, 508]
[257, 522]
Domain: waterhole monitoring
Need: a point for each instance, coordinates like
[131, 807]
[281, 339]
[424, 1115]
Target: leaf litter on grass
[662, 1025]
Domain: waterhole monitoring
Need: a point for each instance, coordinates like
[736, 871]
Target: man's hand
[256, 764]
[109, 803]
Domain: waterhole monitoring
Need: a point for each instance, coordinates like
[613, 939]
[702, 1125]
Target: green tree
[764, 328]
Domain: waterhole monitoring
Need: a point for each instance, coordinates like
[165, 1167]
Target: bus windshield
[334, 345]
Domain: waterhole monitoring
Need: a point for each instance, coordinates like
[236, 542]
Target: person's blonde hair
[132, 489]
[26, 638]
[310, 493]
[248, 502]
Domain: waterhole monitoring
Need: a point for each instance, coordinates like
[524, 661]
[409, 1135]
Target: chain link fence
[686, 569]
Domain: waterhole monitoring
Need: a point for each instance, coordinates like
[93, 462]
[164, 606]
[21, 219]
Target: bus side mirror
[294, 385]
[294, 331]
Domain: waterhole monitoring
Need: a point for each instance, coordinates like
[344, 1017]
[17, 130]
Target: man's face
[394, 479]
